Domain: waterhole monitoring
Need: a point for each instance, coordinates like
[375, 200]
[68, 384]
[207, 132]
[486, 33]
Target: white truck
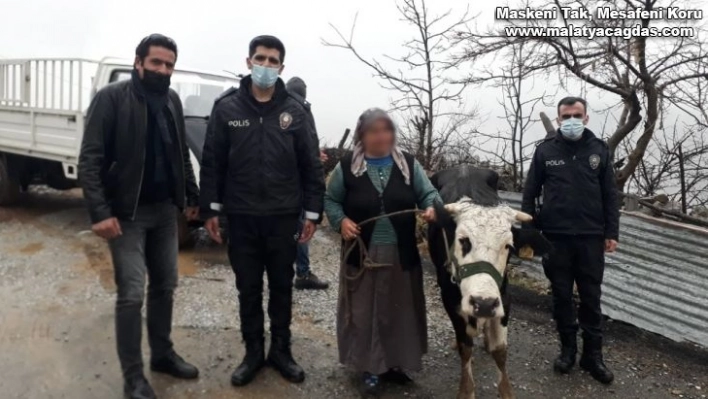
[43, 103]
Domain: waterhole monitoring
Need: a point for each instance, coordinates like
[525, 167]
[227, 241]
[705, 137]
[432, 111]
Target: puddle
[187, 264]
[98, 259]
[191, 261]
[41, 201]
[31, 249]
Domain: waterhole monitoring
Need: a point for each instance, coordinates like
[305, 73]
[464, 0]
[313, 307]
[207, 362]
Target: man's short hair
[155, 39]
[267, 41]
[571, 101]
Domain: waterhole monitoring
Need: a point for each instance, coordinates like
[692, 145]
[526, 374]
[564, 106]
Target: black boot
[569, 349]
[174, 365]
[310, 282]
[137, 387]
[251, 364]
[281, 359]
[396, 376]
[591, 361]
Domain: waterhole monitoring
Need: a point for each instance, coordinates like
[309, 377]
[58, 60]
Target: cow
[470, 245]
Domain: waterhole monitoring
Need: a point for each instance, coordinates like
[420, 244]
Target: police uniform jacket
[261, 158]
[578, 185]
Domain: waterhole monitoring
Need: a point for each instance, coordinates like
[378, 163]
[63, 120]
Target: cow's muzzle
[484, 307]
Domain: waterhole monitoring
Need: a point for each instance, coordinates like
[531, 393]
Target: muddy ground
[56, 328]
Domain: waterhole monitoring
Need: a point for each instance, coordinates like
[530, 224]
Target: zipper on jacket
[262, 156]
[142, 171]
[575, 171]
[180, 148]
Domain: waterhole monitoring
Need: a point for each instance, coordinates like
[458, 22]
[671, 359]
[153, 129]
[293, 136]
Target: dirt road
[56, 328]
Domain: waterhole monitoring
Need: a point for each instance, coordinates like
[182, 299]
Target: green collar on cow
[470, 269]
[460, 272]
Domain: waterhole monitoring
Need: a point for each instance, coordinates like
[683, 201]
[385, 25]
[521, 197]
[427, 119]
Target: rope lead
[365, 262]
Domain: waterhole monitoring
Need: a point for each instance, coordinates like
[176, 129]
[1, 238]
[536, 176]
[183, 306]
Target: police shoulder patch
[286, 119]
[594, 161]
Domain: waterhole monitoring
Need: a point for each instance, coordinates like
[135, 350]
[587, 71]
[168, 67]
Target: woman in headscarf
[381, 320]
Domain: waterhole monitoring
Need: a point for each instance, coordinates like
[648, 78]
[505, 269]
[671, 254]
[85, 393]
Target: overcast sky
[214, 35]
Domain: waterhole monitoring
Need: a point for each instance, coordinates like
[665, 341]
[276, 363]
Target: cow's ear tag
[526, 252]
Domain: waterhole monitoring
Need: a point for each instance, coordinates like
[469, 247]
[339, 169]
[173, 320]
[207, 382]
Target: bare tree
[675, 165]
[644, 73]
[423, 92]
[509, 148]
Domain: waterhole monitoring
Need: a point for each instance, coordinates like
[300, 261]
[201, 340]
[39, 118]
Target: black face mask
[155, 82]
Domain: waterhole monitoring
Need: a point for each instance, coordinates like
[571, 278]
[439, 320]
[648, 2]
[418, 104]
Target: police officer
[580, 216]
[261, 168]
[305, 279]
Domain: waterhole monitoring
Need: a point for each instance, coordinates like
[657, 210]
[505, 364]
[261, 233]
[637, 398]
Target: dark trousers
[576, 260]
[259, 244]
[147, 250]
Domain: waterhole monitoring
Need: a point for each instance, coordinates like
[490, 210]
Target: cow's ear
[529, 243]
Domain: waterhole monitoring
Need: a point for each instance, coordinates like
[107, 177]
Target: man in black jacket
[261, 167]
[305, 279]
[580, 216]
[135, 172]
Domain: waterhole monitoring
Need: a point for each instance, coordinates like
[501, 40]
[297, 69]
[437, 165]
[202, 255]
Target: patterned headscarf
[366, 119]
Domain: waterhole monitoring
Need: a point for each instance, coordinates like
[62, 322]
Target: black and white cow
[471, 272]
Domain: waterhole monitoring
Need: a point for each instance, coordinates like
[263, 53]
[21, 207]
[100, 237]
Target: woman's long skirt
[381, 320]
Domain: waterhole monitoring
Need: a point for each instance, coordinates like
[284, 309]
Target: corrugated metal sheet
[657, 280]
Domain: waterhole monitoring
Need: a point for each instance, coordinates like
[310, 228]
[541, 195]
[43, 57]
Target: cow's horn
[523, 217]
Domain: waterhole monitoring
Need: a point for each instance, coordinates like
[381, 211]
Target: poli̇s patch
[285, 120]
[594, 161]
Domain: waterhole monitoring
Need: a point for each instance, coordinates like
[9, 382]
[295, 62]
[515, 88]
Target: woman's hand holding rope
[349, 229]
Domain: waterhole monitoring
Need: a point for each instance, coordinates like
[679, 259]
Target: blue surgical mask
[264, 77]
[572, 129]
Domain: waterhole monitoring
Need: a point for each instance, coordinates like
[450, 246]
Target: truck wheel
[9, 189]
[184, 233]
[54, 176]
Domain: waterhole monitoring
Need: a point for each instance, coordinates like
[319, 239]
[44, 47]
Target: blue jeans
[302, 261]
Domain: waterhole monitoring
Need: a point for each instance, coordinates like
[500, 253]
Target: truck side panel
[46, 134]
[57, 84]
[42, 102]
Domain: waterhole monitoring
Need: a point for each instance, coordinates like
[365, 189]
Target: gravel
[56, 327]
